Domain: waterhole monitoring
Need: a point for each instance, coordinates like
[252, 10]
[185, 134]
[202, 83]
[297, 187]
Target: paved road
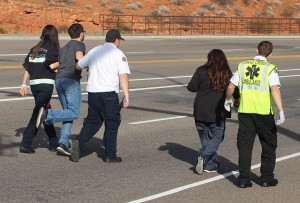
[157, 140]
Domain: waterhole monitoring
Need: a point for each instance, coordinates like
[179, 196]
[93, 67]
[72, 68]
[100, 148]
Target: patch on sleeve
[124, 59]
[276, 70]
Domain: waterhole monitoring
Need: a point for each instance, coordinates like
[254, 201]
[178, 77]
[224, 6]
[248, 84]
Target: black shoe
[244, 184]
[41, 117]
[113, 160]
[52, 149]
[26, 150]
[75, 153]
[63, 150]
[269, 183]
[53, 144]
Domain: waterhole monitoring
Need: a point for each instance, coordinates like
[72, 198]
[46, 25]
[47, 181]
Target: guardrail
[189, 25]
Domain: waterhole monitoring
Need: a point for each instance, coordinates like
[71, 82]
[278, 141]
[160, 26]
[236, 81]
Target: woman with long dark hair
[40, 65]
[210, 82]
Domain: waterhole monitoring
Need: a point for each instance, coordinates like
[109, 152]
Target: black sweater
[38, 68]
[208, 104]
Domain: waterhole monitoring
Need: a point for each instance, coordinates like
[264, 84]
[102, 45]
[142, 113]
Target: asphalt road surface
[157, 138]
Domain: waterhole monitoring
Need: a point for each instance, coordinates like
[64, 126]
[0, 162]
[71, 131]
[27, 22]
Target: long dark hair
[49, 34]
[218, 70]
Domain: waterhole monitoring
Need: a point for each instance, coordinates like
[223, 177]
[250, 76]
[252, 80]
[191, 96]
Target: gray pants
[211, 135]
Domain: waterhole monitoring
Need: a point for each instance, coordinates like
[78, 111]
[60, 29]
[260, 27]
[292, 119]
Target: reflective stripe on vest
[254, 87]
[41, 81]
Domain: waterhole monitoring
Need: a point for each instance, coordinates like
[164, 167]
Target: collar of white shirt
[260, 58]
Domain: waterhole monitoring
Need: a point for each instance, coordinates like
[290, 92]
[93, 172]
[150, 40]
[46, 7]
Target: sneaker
[27, 150]
[269, 183]
[62, 149]
[210, 171]
[199, 166]
[113, 160]
[75, 153]
[41, 117]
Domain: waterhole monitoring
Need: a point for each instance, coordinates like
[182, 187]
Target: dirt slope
[29, 16]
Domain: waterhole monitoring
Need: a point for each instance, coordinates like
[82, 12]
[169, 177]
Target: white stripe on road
[156, 120]
[85, 93]
[289, 76]
[196, 184]
[288, 70]
[131, 90]
[13, 54]
[161, 78]
[153, 88]
[233, 49]
[141, 52]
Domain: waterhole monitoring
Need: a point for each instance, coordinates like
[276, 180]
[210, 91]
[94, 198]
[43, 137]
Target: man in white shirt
[108, 69]
[258, 82]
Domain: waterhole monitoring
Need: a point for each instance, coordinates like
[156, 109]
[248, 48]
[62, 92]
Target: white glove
[228, 104]
[281, 118]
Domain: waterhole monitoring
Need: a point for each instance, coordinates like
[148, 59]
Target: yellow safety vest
[254, 87]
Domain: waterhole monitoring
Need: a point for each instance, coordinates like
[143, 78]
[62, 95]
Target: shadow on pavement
[189, 155]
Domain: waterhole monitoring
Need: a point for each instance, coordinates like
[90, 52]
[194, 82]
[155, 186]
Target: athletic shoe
[62, 149]
[27, 150]
[210, 171]
[199, 166]
[269, 183]
[113, 160]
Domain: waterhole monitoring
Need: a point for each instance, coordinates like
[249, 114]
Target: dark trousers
[42, 94]
[211, 135]
[103, 107]
[264, 126]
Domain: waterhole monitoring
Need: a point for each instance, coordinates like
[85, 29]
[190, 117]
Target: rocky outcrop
[22, 17]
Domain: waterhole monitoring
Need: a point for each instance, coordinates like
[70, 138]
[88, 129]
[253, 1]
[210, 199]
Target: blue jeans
[69, 94]
[42, 94]
[103, 107]
[211, 135]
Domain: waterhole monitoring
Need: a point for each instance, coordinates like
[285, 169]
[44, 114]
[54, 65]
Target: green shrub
[63, 29]
[288, 12]
[223, 2]
[116, 10]
[259, 26]
[2, 31]
[179, 2]
[210, 7]
[246, 2]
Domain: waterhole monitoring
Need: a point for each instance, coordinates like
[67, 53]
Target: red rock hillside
[29, 16]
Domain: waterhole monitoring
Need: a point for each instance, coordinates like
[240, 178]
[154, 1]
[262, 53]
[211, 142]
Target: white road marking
[141, 52]
[85, 93]
[156, 120]
[129, 52]
[288, 70]
[13, 54]
[233, 50]
[203, 182]
[153, 88]
[289, 76]
[131, 90]
[161, 78]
